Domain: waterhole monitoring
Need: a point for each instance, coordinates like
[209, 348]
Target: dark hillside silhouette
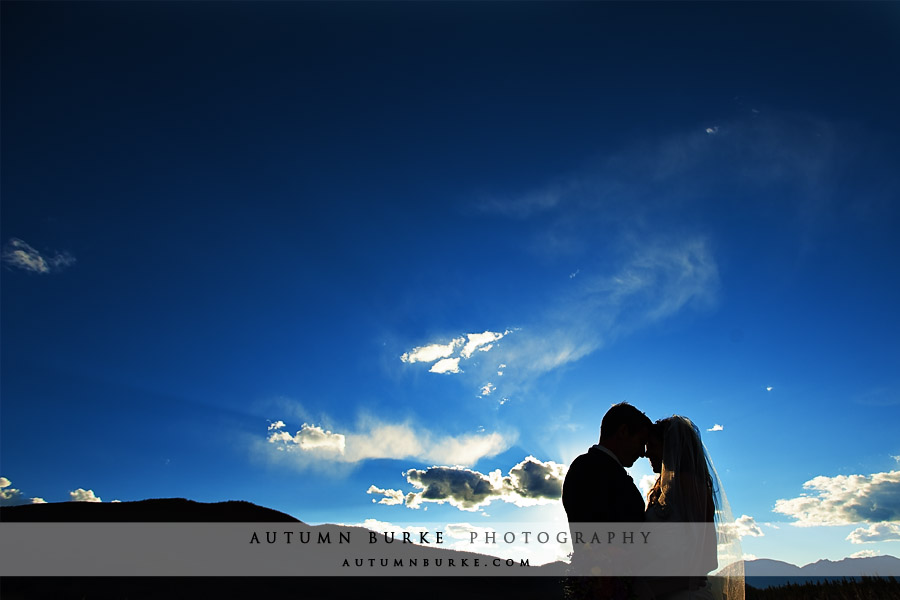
[159, 510]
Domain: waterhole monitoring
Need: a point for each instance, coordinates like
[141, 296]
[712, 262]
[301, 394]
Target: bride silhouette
[688, 491]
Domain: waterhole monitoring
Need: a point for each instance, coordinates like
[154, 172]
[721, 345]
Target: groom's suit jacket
[598, 490]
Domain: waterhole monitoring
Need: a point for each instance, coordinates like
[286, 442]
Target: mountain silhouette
[180, 510]
[158, 510]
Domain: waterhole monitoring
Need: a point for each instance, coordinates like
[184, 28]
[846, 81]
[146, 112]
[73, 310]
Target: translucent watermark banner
[287, 549]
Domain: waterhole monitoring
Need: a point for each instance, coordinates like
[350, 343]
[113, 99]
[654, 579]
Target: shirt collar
[608, 451]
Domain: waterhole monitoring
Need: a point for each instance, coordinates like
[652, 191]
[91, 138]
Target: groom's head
[624, 431]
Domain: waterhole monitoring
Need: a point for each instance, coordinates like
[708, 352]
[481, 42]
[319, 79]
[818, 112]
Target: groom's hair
[623, 414]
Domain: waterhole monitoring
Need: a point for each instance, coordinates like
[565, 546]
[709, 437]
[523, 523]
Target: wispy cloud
[313, 445]
[16, 253]
[656, 281]
[865, 554]
[525, 205]
[845, 499]
[528, 483]
[487, 389]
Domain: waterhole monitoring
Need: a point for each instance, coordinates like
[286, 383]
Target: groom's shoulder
[592, 459]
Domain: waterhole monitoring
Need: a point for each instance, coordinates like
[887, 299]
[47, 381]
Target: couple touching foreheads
[598, 490]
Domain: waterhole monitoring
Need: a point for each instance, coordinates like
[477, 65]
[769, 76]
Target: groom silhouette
[596, 488]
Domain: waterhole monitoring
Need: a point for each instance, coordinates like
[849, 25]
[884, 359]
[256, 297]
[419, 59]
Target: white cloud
[865, 554]
[374, 440]
[503, 366]
[382, 527]
[646, 484]
[17, 253]
[748, 556]
[81, 495]
[716, 427]
[743, 526]
[431, 352]
[391, 497]
[712, 130]
[769, 388]
[311, 437]
[442, 355]
[574, 274]
[528, 483]
[875, 532]
[10, 496]
[308, 438]
[477, 340]
[845, 499]
[446, 365]
[487, 389]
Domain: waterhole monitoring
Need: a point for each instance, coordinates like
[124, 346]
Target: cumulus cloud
[10, 496]
[21, 255]
[646, 484]
[488, 388]
[373, 440]
[308, 438]
[845, 499]
[865, 554]
[716, 427]
[82, 495]
[743, 526]
[876, 532]
[528, 483]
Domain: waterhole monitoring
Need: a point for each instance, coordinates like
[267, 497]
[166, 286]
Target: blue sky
[299, 253]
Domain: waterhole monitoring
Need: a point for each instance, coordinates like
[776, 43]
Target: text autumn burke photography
[605, 289]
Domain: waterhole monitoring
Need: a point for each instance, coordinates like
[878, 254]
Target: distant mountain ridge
[766, 572]
[157, 510]
[848, 567]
